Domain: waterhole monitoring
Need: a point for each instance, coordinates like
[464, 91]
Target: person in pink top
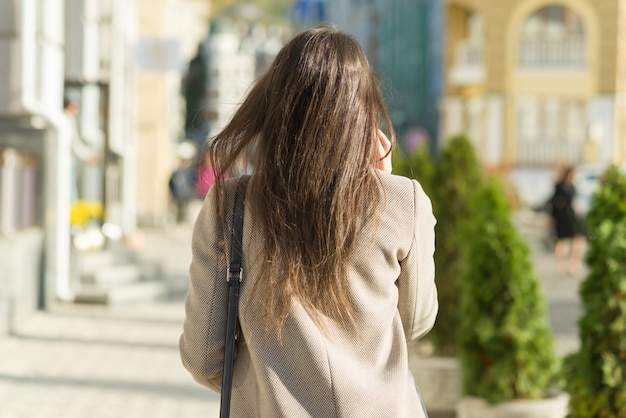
[206, 179]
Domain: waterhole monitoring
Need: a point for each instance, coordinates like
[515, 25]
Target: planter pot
[555, 407]
[439, 381]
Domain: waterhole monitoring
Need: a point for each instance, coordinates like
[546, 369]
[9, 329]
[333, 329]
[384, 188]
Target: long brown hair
[313, 120]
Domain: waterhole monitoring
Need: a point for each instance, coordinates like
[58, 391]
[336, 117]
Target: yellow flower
[95, 210]
[82, 212]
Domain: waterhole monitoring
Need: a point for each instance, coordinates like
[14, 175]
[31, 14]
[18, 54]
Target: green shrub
[596, 374]
[506, 348]
[455, 184]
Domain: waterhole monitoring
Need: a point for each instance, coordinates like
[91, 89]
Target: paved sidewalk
[83, 361]
[89, 362]
[77, 361]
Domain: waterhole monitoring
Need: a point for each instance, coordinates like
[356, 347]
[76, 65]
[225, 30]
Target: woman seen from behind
[338, 253]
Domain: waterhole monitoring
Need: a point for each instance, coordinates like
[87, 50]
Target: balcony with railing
[549, 152]
[567, 53]
[468, 67]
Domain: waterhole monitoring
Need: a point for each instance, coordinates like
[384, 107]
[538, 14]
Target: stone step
[91, 262]
[117, 276]
[122, 294]
[114, 274]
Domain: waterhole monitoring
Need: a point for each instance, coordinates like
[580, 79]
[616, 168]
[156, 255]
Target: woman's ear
[383, 152]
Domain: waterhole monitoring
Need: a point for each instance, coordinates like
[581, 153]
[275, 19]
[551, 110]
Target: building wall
[360, 19]
[231, 73]
[402, 41]
[503, 17]
[33, 148]
[409, 62]
[158, 100]
[620, 85]
[597, 84]
[456, 27]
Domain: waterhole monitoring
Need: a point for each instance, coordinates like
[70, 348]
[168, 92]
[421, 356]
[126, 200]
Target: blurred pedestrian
[568, 226]
[337, 252]
[193, 86]
[206, 177]
[84, 154]
[182, 182]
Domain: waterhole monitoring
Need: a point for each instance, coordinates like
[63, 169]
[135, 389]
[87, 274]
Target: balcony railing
[468, 67]
[549, 152]
[559, 53]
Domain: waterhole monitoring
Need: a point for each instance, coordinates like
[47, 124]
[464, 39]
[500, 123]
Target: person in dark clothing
[182, 186]
[194, 90]
[568, 227]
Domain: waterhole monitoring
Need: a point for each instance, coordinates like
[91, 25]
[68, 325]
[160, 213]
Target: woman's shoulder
[406, 212]
[394, 178]
[399, 186]
[403, 194]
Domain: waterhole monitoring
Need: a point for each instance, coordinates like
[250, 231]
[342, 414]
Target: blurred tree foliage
[492, 312]
[455, 185]
[269, 11]
[452, 183]
[506, 347]
[596, 374]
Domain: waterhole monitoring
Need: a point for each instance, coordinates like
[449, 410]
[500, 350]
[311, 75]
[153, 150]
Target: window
[528, 119]
[551, 119]
[553, 36]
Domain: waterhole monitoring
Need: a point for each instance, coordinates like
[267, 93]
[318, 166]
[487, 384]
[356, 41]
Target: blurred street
[78, 361]
[560, 290]
[105, 109]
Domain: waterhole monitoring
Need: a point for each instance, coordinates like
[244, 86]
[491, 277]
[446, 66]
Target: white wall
[9, 54]
[231, 72]
[601, 113]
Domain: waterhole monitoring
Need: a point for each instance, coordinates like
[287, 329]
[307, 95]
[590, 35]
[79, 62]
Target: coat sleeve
[202, 341]
[417, 301]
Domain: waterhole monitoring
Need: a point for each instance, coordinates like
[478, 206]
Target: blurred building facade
[169, 32]
[231, 71]
[537, 83]
[404, 43]
[35, 169]
[237, 51]
[121, 61]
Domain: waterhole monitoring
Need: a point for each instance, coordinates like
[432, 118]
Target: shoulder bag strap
[234, 280]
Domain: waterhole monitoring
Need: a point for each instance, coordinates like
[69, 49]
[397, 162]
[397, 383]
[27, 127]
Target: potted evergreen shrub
[452, 184]
[506, 348]
[458, 178]
[596, 374]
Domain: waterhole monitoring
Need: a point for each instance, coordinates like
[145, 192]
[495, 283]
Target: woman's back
[339, 371]
[338, 253]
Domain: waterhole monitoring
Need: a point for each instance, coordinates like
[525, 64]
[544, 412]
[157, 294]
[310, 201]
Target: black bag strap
[235, 273]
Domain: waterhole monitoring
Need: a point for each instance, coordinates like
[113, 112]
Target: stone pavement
[78, 361]
[83, 361]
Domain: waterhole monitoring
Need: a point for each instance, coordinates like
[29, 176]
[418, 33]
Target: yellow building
[537, 83]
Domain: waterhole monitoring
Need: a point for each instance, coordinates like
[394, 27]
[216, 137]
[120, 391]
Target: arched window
[552, 37]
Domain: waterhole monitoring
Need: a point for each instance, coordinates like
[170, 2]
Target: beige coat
[338, 373]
